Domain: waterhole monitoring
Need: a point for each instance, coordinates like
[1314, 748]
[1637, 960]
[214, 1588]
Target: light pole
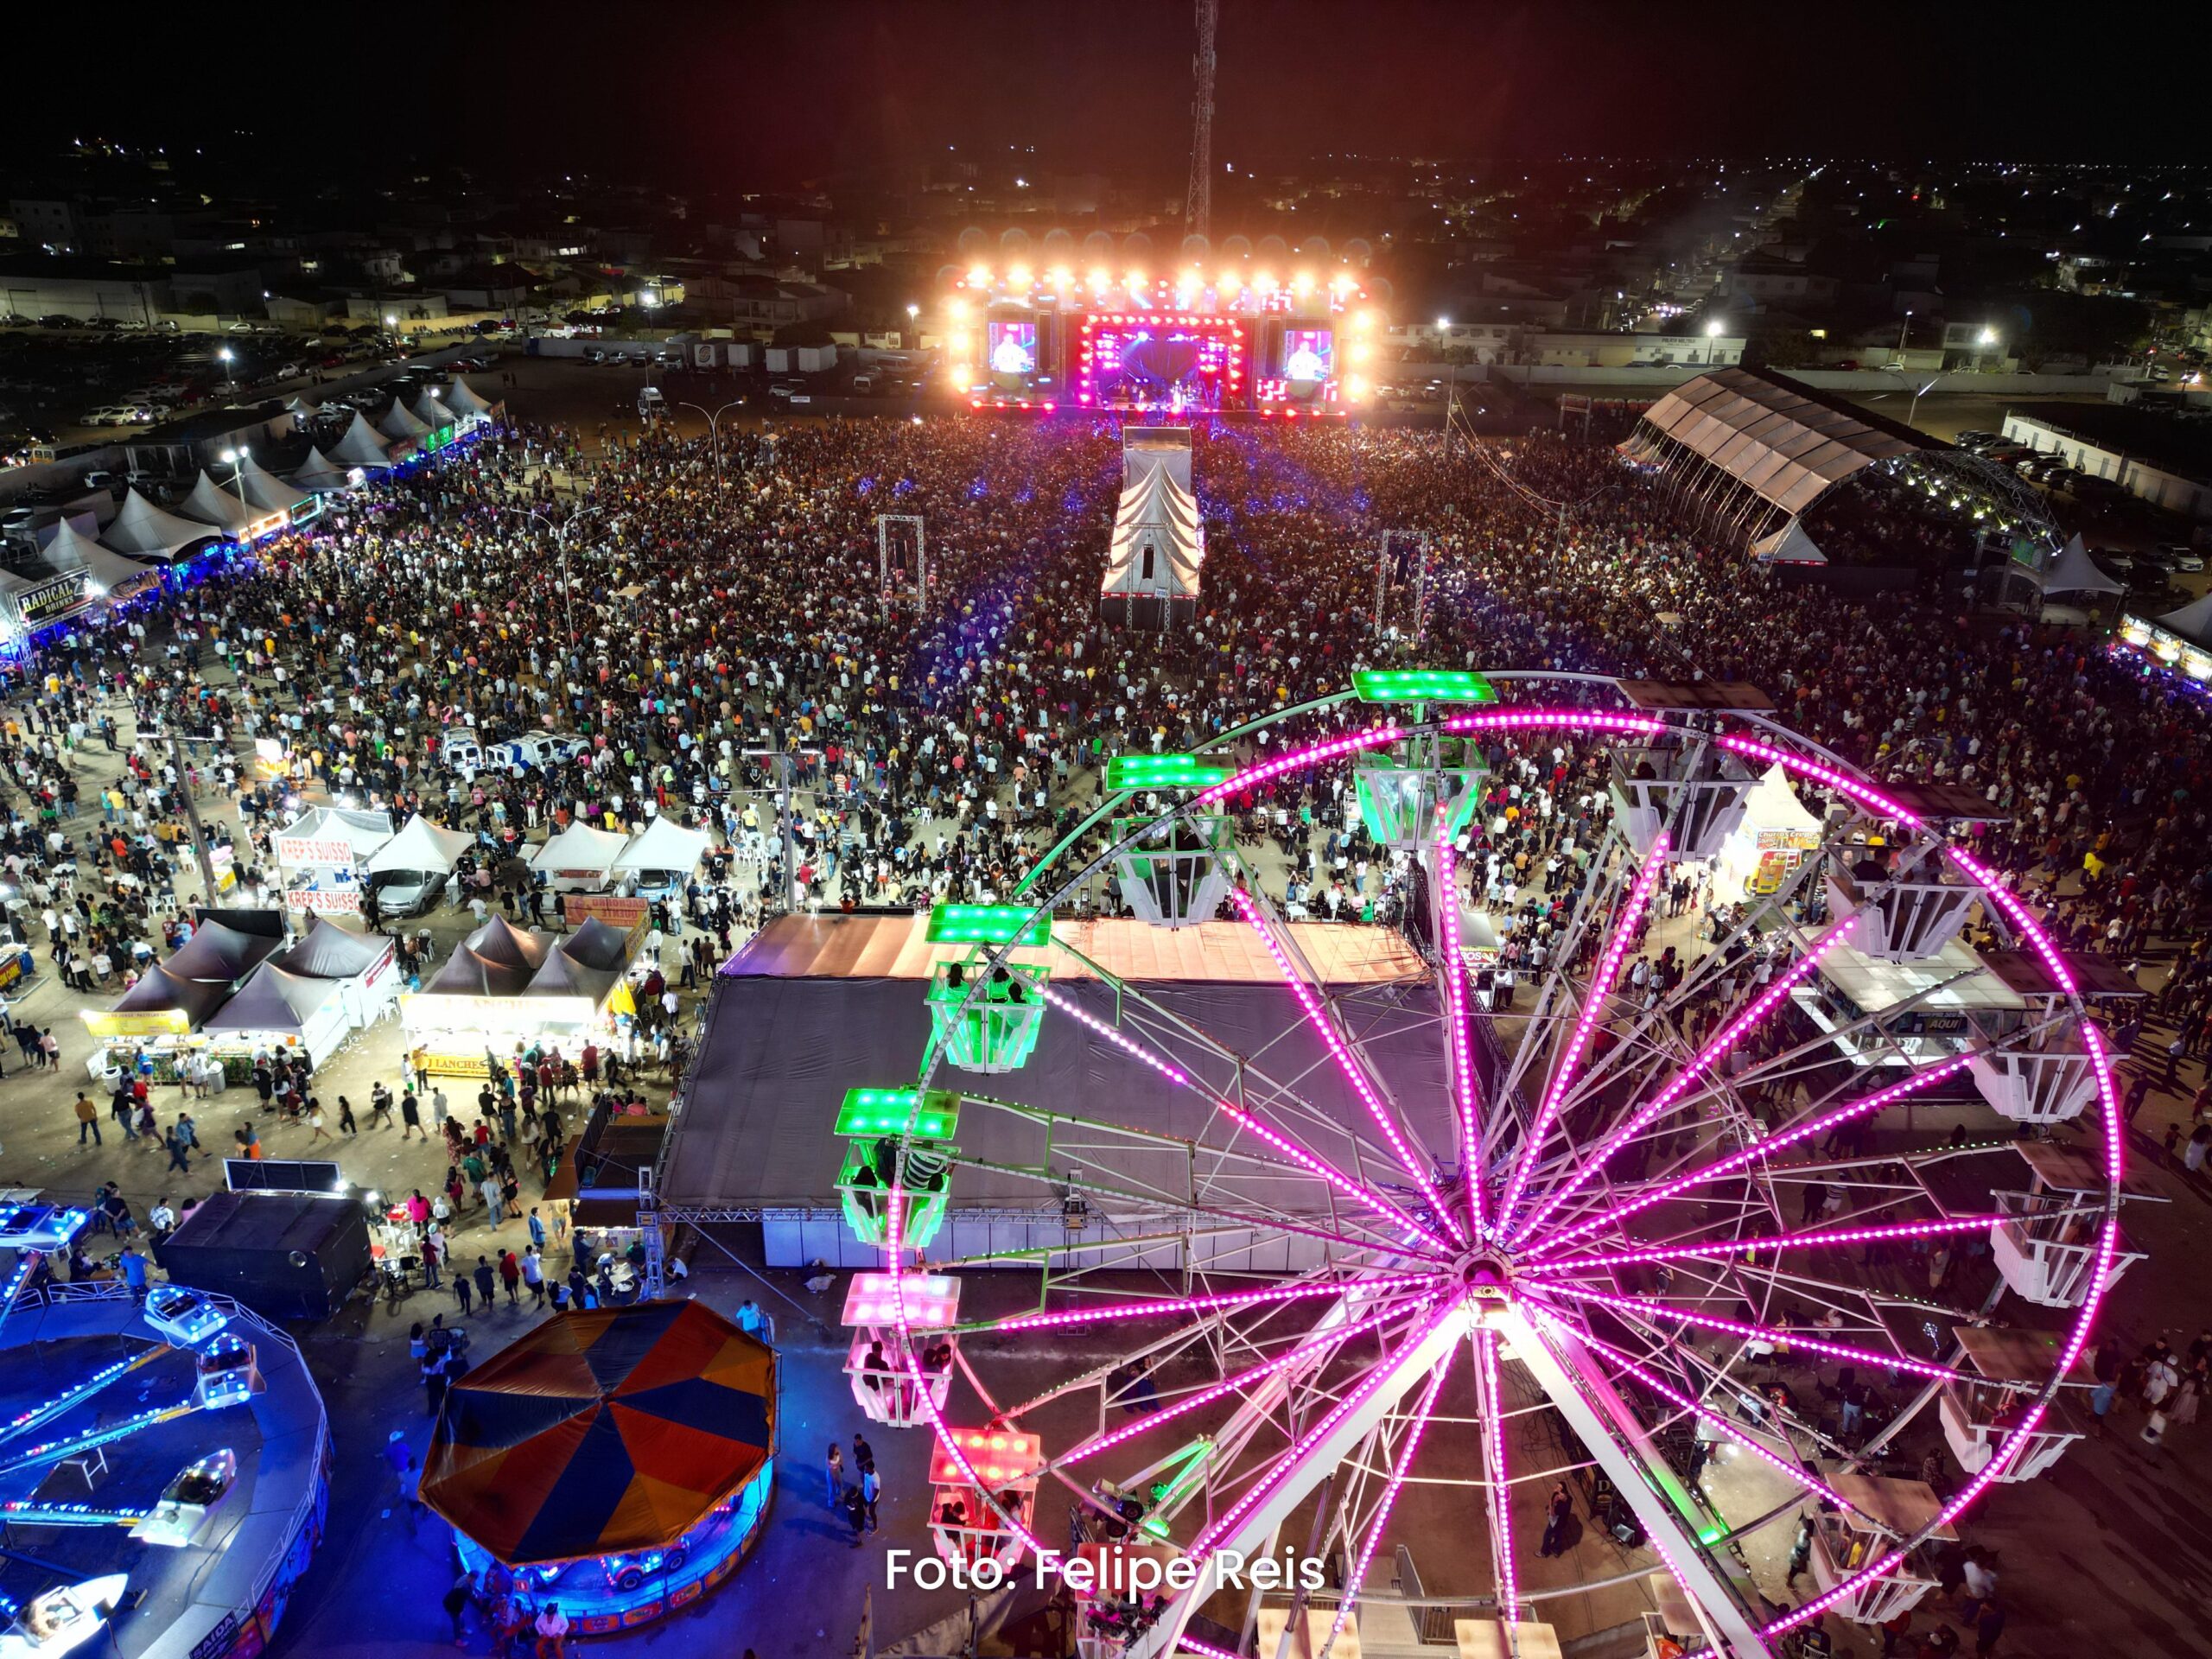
[1901, 328]
[238, 460]
[715, 431]
[914, 317]
[1713, 330]
[230, 374]
[560, 533]
[1452, 382]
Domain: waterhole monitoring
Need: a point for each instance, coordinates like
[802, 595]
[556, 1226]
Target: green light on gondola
[1710, 1535]
[1421, 685]
[890, 1111]
[1162, 772]
[988, 925]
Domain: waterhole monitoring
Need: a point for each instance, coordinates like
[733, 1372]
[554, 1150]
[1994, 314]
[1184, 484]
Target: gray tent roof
[211, 504]
[2193, 622]
[1156, 513]
[267, 491]
[2075, 572]
[398, 424]
[500, 941]
[159, 991]
[152, 532]
[68, 548]
[564, 975]
[221, 954]
[361, 444]
[274, 1000]
[330, 952]
[463, 399]
[596, 944]
[320, 473]
[467, 974]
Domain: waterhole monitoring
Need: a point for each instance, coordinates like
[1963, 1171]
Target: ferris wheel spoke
[1059, 1318]
[1775, 1335]
[1596, 998]
[1491, 1407]
[1460, 1064]
[1759, 1152]
[1824, 1237]
[1415, 1167]
[1328, 1172]
[1409, 1449]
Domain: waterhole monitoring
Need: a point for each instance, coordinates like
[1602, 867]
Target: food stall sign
[160, 1022]
[315, 852]
[322, 901]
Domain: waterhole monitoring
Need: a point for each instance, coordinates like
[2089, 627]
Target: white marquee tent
[580, 858]
[147, 532]
[398, 425]
[361, 445]
[664, 844]
[1153, 563]
[420, 845]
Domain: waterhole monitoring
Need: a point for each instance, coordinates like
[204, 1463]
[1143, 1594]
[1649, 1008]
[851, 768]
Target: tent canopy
[467, 974]
[594, 1432]
[363, 831]
[68, 548]
[565, 975]
[1789, 545]
[2193, 622]
[399, 425]
[159, 991]
[462, 399]
[2075, 572]
[664, 844]
[595, 944]
[422, 845]
[499, 940]
[274, 1000]
[433, 414]
[320, 473]
[211, 504]
[361, 445]
[580, 847]
[330, 952]
[221, 955]
[1158, 544]
[267, 491]
[152, 532]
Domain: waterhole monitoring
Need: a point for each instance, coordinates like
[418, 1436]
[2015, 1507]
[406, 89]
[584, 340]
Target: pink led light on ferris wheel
[1190, 1644]
[1243, 1379]
[1585, 1025]
[1750, 1245]
[1312, 755]
[1204, 1304]
[1128, 1045]
[1549, 719]
[1703, 1414]
[1751, 1155]
[1326, 1029]
[1455, 1010]
[1705, 1059]
[1644, 1308]
[1327, 1172]
[2015, 1442]
[1377, 1374]
[1501, 1488]
[1384, 1504]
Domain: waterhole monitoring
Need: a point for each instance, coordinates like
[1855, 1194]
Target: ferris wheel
[1588, 1224]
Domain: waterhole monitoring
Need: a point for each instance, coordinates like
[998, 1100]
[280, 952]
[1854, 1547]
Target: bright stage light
[1230, 283]
[1062, 276]
[1360, 351]
[1356, 387]
[1265, 282]
[978, 275]
[1303, 282]
[1100, 280]
[1712, 330]
[1342, 282]
[1133, 280]
[1364, 321]
[957, 309]
[1019, 277]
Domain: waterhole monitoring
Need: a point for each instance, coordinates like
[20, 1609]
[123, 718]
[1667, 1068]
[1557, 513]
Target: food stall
[362, 966]
[580, 858]
[422, 850]
[1772, 839]
[282, 1012]
[504, 989]
[321, 853]
[661, 859]
[155, 1020]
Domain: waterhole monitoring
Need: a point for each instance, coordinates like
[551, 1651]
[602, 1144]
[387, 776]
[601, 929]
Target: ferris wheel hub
[1486, 1277]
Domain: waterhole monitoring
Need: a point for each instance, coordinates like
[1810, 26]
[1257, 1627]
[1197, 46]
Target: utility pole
[192, 817]
[782, 760]
[1197, 199]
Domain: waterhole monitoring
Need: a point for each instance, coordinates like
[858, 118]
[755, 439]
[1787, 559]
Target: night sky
[747, 94]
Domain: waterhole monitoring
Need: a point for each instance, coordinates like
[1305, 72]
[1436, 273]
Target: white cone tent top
[398, 425]
[2075, 572]
[432, 413]
[664, 844]
[148, 532]
[69, 548]
[580, 847]
[461, 398]
[267, 491]
[2193, 622]
[1789, 545]
[363, 832]
[321, 474]
[308, 404]
[1157, 544]
[361, 445]
[422, 845]
[211, 504]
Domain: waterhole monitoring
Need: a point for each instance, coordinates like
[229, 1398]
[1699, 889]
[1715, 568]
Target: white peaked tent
[398, 425]
[2075, 572]
[321, 475]
[1773, 818]
[664, 844]
[361, 445]
[1152, 564]
[147, 532]
[580, 858]
[422, 845]
[2192, 622]
[1789, 545]
[268, 492]
[462, 399]
[211, 504]
[432, 413]
[68, 548]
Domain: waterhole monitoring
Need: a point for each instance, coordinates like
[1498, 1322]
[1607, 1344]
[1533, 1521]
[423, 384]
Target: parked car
[2093, 488]
[407, 892]
[56, 320]
[2182, 557]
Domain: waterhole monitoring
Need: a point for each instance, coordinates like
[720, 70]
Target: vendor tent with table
[327, 846]
[221, 954]
[362, 966]
[504, 989]
[283, 1011]
[663, 854]
[324, 476]
[362, 445]
[580, 858]
[1775, 833]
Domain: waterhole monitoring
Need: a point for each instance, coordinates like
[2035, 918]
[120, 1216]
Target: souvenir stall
[1766, 847]
[284, 1012]
[361, 966]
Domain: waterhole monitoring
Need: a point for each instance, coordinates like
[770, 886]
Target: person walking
[314, 1123]
[834, 1469]
[486, 1277]
[88, 1118]
[510, 1276]
[552, 1629]
[410, 1117]
[871, 1490]
[1559, 1510]
[462, 1289]
[533, 1275]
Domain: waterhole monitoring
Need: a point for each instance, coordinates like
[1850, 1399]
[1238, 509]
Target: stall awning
[422, 845]
[147, 532]
[221, 955]
[330, 952]
[664, 844]
[499, 940]
[580, 850]
[274, 1000]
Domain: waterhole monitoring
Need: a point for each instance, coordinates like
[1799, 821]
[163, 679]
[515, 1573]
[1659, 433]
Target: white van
[650, 402]
[460, 751]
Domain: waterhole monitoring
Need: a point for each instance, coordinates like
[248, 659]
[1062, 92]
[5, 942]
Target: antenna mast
[1197, 200]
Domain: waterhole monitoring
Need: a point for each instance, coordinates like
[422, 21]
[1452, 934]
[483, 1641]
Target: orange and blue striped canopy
[606, 1431]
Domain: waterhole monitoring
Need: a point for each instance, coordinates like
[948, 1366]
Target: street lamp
[230, 374]
[238, 460]
[1713, 332]
[1452, 379]
[715, 431]
[560, 534]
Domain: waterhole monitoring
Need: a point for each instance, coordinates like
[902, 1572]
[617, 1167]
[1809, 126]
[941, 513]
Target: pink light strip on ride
[1455, 1010]
[1293, 1460]
[1753, 1246]
[1501, 1488]
[1191, 1402]
[1706, 1058]
[1407, 1453]
[2015, 1441]
[1599, 992]
[1766, 1148]
[1658, 1310]
[1312, 755]
[1316, 1017]
[1703, 1414]
[1328, 1171]
[1128, 1044]
[1204, 1304]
